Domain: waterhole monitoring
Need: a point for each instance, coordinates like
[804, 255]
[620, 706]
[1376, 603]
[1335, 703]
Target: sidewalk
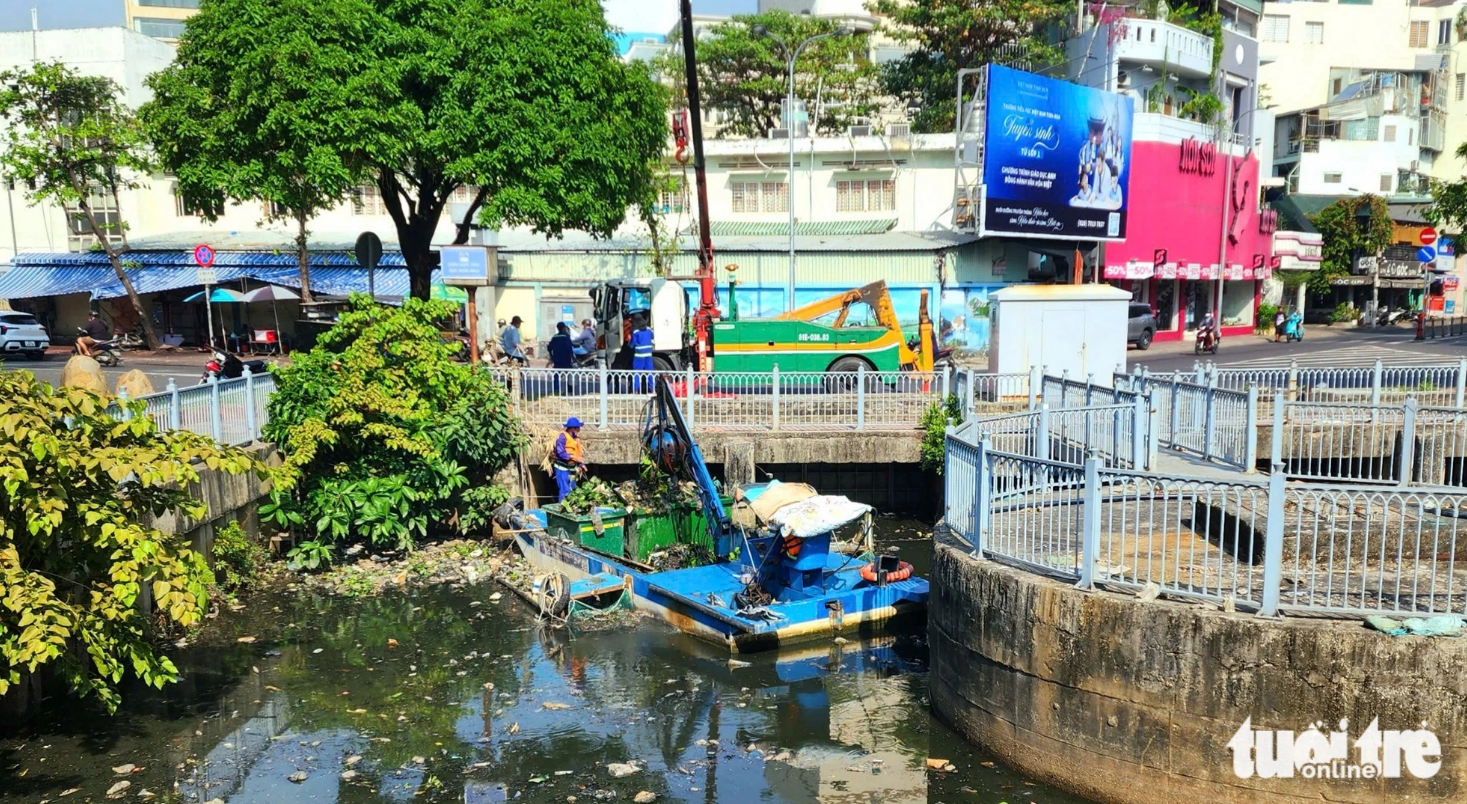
[1186, 345]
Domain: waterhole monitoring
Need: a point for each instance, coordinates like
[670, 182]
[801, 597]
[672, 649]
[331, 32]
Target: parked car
[21, 333]
[1140, 326]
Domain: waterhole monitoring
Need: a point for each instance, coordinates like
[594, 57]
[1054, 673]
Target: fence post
[1273, 544]
[1090, 536]
[1036, 376]
[984, 496]
[1089, 389]
[249, 378]
[774, 377]
[1250, 432]
[601, 401]
[1293, 389]
[122, 400]
[688, 378]
[216, 421]
[1041, 436]
[1138, 434]
[947, 381]
[1153, 434]
[1407, 457]
[1175, 412]
[1461, 380]
[175, 416]
[861, 396]
[1276, 454]
[969, 393]
[1209, 421]
[1375, 384]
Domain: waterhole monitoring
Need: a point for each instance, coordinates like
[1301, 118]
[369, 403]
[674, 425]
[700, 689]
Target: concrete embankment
[1128, 702]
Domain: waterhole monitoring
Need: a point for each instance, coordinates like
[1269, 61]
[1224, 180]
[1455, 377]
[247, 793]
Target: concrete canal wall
[1127, 702]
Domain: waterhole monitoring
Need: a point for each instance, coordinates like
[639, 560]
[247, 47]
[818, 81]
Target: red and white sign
[203, 256]
[1427, 236]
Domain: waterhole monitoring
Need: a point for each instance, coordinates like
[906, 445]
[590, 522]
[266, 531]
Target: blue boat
[773, 583]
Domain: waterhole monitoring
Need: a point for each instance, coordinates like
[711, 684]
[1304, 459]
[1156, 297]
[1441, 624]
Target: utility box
[1079, 329]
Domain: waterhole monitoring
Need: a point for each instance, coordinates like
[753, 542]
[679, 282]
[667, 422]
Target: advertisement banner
[1056, 158]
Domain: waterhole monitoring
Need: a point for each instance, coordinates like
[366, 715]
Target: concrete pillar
[484, 300]
[738, 463]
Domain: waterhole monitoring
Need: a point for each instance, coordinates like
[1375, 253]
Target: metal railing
[1449, 326]
[1385, 444]
[1441, 386]
[229, 411]
[610, 399]
[1269, 547]
[1217, 424]
[1114, 433]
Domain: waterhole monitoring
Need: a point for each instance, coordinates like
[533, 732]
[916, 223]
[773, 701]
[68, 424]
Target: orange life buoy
[791, 546]
[903, 572]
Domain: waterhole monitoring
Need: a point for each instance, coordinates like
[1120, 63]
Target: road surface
[185, 369]
[1326, 347]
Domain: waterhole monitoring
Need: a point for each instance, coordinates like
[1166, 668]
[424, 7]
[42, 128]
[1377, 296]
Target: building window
[1385, 182]
[1313, 33]
[1332, 178]
[103, 203]
[753, 197]
[159, 28]
[869, 195]
[1275, 28]
[169, 3]
[1420, 29]
[1390, 133]
[674, 199]
[183, 208]
[1444, 32]
[1461, 84]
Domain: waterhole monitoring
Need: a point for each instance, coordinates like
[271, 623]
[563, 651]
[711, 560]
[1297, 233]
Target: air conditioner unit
[779, 133]
[898, 129]
[859, 131]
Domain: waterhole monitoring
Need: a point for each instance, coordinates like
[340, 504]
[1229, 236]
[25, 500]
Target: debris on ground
[621, 769]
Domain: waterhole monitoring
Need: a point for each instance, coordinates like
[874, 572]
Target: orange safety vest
[572, 449]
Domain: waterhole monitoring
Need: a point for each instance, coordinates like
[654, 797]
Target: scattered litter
[554, 706]
[1149, 593]
[620, 769]
[245, 639]
[1443, 625]
[299, 776]
[353, 759]
[123, 770]
[645, 797]
[118, 789]
[348, 775]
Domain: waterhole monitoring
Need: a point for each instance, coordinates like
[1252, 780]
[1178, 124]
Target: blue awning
[332, 274]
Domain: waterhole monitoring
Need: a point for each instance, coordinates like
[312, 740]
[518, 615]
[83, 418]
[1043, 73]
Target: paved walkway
[1171, 462]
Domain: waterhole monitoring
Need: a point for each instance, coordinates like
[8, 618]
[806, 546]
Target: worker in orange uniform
[567, 459]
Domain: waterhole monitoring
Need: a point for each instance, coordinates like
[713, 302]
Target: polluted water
[444, 695]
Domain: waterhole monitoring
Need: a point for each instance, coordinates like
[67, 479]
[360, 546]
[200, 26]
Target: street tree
[947, 35]
[69, 137]
[260, 106]
[1448, 207]
[1345, 238]
[744, 76]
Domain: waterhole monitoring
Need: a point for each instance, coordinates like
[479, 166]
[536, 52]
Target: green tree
[70, 135]
[386, 437]
[1448, 208]
[948, 35]
[1345, 238]
[76, 557]
[261, 105]
[746, 77]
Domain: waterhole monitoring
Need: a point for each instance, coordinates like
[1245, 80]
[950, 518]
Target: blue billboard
[1056, 158]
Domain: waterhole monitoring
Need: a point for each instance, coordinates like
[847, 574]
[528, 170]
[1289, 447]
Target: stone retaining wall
[1134, 703]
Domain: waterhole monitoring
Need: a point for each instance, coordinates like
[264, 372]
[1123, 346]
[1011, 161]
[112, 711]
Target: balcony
[1164, 46]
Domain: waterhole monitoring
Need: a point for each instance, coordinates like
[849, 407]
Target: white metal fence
[229, 411]
[1116, 434]
[1270, 547]
[860, 400]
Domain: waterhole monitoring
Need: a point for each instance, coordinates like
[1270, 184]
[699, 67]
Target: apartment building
[160, 19]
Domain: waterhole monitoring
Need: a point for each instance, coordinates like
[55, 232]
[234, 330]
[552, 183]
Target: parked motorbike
[106, 353]
[226, 366]
[1294, 328]
[1208, 339]
[132, 340]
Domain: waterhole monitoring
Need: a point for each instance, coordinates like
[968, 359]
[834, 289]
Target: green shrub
[478, 507]
[383, 432]
[238, 558]
[935, 421]
[310, 555]
[1344, 313]
[1266, 312]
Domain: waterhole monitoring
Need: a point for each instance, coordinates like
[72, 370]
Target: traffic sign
[1427, 236]
[203, 256]
[369, 250]
[1446, 246]
[464, 266]
[1426, 254]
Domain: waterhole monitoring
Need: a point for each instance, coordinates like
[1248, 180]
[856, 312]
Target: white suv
[22, 333]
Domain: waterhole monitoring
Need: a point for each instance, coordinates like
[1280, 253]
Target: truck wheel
[840, 380]
[662, 363]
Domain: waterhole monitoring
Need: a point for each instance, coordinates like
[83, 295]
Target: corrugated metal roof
[813, 228]
[33, 280]
[185, 259]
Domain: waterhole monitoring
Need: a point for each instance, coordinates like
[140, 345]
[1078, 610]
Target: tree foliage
[523, 101]
[1345, 238]
[948, 35]
[1448, 208]
[261, 105]
[76, 555]
[746, 78]
[385, 435]
[68, 136]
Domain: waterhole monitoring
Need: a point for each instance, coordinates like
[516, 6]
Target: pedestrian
[1279, 319]
[93, 332]
[510, 342]
[641, 344]
[562, 354]
[566, 459]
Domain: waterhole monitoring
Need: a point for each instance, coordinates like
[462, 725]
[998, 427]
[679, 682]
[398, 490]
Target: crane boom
[707, 311]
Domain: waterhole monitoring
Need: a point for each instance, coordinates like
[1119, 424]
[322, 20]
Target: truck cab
[664, 303]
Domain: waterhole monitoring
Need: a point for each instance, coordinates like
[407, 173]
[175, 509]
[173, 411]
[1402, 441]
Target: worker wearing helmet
[566, 458]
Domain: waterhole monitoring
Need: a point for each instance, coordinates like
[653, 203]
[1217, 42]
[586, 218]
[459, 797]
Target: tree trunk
[303, 256]
[115, 258]
[420, 260]
[461, 236]
[415, 226]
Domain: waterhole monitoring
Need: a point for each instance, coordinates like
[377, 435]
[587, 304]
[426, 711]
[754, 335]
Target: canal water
[446, 695]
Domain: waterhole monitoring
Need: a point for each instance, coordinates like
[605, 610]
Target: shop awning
[24, 282]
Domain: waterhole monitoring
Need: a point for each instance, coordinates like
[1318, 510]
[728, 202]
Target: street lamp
[760, 31]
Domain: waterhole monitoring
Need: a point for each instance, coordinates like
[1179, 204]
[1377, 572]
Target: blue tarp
[332, 274]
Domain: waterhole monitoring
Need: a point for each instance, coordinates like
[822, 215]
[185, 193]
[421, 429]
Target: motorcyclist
[1207, 331]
